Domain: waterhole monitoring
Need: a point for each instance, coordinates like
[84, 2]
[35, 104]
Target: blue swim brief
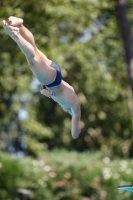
[58, 78]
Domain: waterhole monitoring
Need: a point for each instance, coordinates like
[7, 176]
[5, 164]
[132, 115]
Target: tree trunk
[124, 25]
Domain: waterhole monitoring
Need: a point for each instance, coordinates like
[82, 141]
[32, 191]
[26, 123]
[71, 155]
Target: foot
[15, 21]
[11, 31]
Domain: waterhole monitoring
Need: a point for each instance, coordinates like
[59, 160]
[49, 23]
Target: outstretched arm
[76, 114]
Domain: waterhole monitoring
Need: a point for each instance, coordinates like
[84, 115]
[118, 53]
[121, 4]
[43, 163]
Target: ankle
[20, 26]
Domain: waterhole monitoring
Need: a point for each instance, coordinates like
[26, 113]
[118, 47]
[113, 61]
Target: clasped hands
[45, 91]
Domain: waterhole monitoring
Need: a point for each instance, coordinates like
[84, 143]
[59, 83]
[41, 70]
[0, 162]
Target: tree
[125, 30]
[83, 38]
[124, 24]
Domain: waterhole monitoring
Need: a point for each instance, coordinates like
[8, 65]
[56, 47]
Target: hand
[46, 92]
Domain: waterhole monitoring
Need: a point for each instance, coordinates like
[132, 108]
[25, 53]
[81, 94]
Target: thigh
[42, 55]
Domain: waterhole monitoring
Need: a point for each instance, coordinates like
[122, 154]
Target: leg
[38, 62]
[14, 33]
[26, 34]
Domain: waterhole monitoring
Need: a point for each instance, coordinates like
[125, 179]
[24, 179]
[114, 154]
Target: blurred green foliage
[62, 176]
[84, 39]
